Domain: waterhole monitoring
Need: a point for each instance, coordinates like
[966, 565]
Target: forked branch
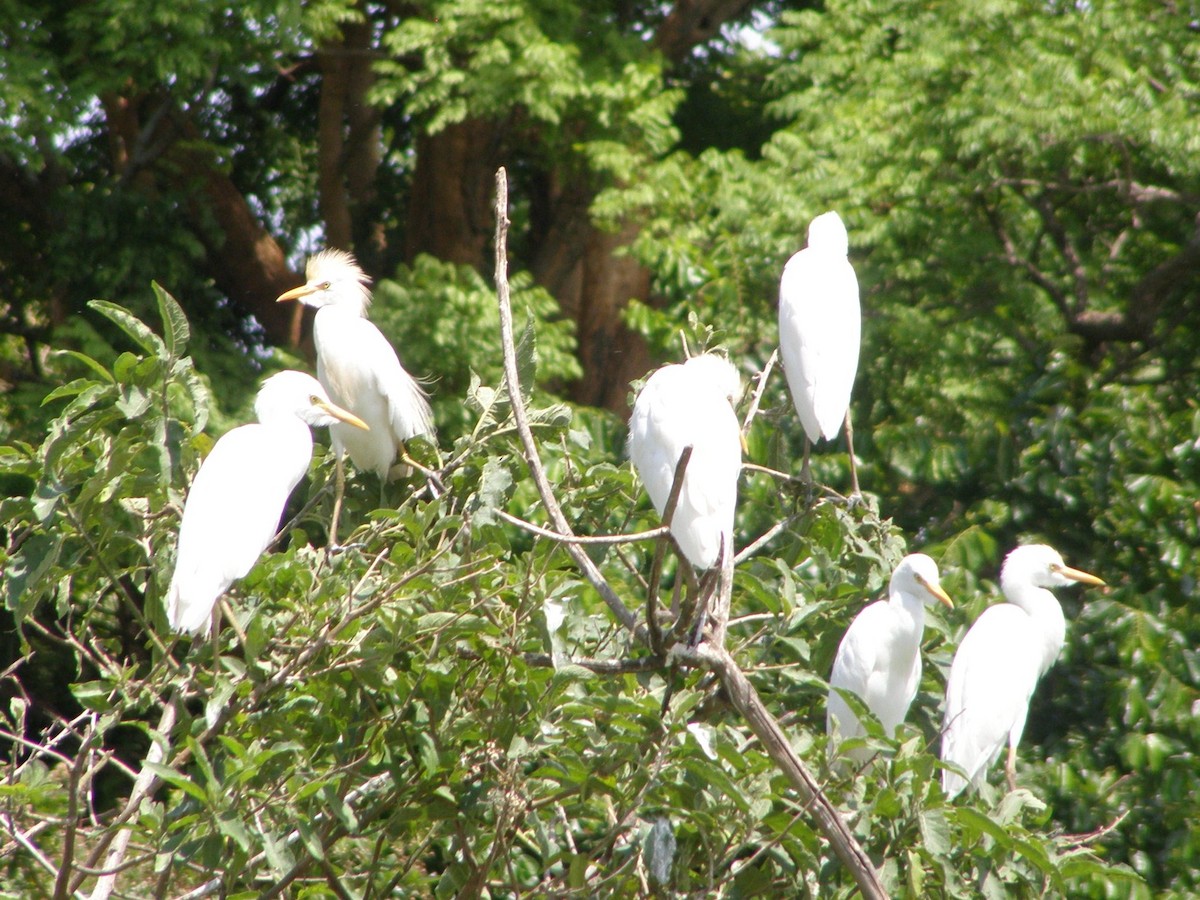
[710, 656]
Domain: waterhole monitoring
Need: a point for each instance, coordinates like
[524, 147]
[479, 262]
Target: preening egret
[234, 505]
[820, 331]
[879, 658]
[691, 404]
[359, 369]
[999, 662]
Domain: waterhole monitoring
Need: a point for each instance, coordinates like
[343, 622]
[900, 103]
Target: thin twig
[160, 745]
[582, 539]
[660, 550]
[756, 399]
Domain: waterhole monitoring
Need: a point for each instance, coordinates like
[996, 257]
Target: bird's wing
[355, 362]
[231, 514]
[819, 338]
[858, 667]
[991, 682]
[657, 436]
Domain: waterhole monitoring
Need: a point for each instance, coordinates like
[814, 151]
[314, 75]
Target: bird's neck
[1047, 616]
[343, 309]
[910, 611]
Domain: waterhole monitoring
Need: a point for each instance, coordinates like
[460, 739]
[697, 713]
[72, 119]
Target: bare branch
[660, 550]
[600, 666]
[746, 701]
[759, 388]
[581, 539]
[512, 378]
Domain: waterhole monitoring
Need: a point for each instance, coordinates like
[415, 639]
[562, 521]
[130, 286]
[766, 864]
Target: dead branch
[709, 656]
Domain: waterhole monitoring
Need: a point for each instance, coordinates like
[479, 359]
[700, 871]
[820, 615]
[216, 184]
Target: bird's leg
[706, 589]
[810, 487]
[849, 429]
[338, 491]
[227, 612]
[1010, 767]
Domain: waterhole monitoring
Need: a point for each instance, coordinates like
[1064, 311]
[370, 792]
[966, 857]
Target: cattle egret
[360, 370]
[879, 658]
[691, 405]
[819, 333]
[238, 496]
[999, 662]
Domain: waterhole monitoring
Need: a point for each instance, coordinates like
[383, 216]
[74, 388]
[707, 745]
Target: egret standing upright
[691, 405]
[999, 663]
[819, 333]
[879, 658]
[237, 497]
[360, 370]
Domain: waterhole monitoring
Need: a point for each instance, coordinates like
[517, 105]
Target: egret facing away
[234, 505]
[682, 405]
[820, 331]
[879, 658]
[999, 662]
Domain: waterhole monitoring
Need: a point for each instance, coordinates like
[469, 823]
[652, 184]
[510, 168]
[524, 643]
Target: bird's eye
[323, 286]
[313, 399]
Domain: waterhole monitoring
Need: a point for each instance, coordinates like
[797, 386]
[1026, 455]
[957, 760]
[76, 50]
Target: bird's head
[1043, 566]
[293, 393]
[716, 372]
[827, 233]
[332, 277]
[917, 575]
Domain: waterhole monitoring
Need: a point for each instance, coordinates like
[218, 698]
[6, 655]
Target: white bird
[999, 662]
[359, 369]
[682, 405]
[235, 502]
[820, 331]
[879, 658]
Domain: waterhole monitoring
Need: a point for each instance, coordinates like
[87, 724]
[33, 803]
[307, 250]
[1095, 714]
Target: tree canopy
[453, 704]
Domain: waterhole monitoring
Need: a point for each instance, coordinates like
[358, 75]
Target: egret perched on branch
[234, 505]
[819, 333]
[998, 665]
[879, 658]
[359, 369]
[682, 405]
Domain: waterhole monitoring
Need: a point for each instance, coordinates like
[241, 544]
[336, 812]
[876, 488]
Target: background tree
[1021, 190]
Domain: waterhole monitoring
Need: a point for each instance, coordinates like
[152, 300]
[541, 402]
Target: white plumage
[999, 662]
[238, 496]
[879, 658]
[820, 327]
[691, 404]
[357, 365]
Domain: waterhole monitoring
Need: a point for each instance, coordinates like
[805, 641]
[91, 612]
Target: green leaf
[176, 330]
[131, 325]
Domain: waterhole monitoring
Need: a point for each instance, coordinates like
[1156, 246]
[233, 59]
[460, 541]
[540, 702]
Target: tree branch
[512, 378]
[746, 701]
[712, 657]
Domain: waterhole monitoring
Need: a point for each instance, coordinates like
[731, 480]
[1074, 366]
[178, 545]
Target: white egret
[879, 658]
[682, 405]
[999, 662]
[360, 370]
[820, 332]
[238, 496]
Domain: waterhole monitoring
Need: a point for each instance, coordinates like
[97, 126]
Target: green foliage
[408, 716]
[413, 700]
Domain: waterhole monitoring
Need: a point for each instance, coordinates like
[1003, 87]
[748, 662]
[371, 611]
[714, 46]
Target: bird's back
[879, 660]
[231, 513]
[360, 370]
[819, 337]
[670, 414]
[992, 679]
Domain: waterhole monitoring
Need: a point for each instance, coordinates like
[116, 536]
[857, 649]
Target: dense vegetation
[449, 707]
